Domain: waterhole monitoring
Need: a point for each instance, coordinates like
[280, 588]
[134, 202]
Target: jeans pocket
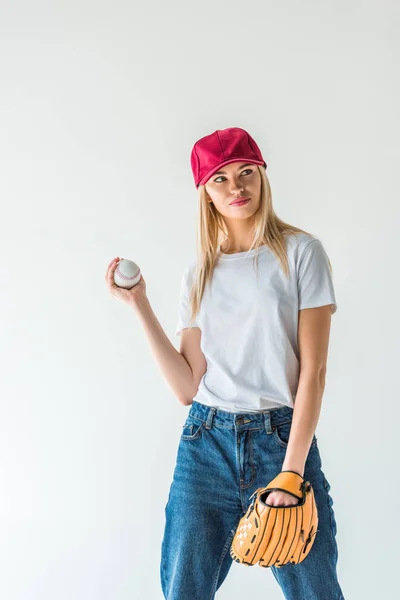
[192, 428]
[282, 433]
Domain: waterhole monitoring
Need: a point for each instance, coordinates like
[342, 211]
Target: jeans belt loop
[267, 422]
[210, 417]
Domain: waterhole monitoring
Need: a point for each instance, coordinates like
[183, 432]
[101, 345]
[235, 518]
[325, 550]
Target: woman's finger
[114, 260]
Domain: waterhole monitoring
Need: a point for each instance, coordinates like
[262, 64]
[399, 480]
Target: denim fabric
[222, 459]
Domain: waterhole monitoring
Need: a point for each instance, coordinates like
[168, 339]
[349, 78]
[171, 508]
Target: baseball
[127, 274]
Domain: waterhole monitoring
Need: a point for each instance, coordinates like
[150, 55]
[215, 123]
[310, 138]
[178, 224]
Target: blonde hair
[269, 229]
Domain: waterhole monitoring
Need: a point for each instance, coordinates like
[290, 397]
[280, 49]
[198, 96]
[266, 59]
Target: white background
[100, 104]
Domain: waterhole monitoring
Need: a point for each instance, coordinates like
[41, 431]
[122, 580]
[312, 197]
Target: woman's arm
[174, 367]
[313, 339]
[313, 336]
[181, 369]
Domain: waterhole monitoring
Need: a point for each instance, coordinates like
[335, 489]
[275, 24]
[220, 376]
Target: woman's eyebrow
[241, 167]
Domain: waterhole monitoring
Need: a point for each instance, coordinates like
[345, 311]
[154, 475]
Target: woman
[254, 320]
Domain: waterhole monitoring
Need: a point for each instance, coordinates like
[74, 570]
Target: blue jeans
[222, 459]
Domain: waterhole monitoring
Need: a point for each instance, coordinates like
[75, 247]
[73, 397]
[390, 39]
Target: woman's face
[235, 180]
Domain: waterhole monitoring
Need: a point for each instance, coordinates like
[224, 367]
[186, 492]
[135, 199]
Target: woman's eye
[249, 170]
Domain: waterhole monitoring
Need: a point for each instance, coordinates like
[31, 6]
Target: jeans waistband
[215, 417]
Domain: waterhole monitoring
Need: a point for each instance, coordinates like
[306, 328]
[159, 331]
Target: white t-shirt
[249, 324]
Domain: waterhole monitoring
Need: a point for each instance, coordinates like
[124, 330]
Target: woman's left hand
[281, 499]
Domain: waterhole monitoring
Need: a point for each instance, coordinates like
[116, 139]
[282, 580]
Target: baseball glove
[276, 535]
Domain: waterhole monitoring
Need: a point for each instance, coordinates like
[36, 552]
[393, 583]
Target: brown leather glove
[276, 535]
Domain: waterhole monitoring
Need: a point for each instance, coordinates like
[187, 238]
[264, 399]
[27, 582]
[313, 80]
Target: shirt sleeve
[184, 306]
[314, 278]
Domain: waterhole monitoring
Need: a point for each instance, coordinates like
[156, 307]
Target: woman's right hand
[132, 296]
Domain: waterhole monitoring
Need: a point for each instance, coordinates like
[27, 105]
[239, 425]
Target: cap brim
[227, 162]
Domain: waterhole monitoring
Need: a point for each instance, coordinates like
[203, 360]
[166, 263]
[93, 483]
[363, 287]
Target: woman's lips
[240, 202]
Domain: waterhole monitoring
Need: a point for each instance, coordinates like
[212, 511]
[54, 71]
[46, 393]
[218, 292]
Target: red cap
[221, 147]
